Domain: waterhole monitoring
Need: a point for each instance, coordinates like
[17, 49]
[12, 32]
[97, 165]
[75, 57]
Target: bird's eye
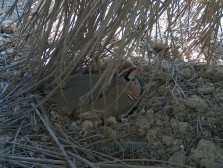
[132, 69]
[139, 69]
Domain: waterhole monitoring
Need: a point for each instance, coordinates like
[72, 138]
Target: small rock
[163, 90]
[2, 11]
[207, 154]
[178, 157]
[206, 88]
[195, 103]
[207, 133]
[35, 128]
[159, 122]
[8, 26]
[167, 140]
[45, 138]
[151, 135]
[73, 126]
[110, 133]
[57, 124]
[5, 138]
[54, 115]
[214, 73]
[3, 41]
[187, 73]
[66, 110]
[220, 96]
[7, 36]
[177, 125]
[143, 124]
[178, 107]
[2, 54]
[165, 76]
[9, 50]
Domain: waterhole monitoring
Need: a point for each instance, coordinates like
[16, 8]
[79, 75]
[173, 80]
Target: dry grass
[62, 38]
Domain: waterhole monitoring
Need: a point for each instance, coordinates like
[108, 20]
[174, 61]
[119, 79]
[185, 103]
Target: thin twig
[14, 141]
[54, 137]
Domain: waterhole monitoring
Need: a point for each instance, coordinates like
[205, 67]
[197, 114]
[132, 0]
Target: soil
[179, 123]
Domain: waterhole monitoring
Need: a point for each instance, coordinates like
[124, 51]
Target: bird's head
[132, 73]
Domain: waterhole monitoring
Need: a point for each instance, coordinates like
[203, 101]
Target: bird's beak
[132, 75]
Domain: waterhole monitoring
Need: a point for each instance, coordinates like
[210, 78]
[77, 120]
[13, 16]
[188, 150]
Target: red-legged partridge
[122, 94]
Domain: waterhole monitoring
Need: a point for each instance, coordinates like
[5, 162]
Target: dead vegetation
[179, 121]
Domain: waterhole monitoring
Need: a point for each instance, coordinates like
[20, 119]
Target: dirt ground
[179, 123]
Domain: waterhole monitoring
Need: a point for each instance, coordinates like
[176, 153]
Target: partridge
[120, 96]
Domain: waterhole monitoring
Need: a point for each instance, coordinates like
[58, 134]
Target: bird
[123, 94]
[117, 99]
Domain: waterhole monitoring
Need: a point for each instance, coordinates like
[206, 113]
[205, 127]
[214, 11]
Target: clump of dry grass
[69, 36]
[64, 37]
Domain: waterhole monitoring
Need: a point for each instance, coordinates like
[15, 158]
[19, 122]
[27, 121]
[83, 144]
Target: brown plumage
[121, 95]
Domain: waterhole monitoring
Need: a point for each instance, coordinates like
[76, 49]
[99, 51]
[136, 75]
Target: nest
[180, 106]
